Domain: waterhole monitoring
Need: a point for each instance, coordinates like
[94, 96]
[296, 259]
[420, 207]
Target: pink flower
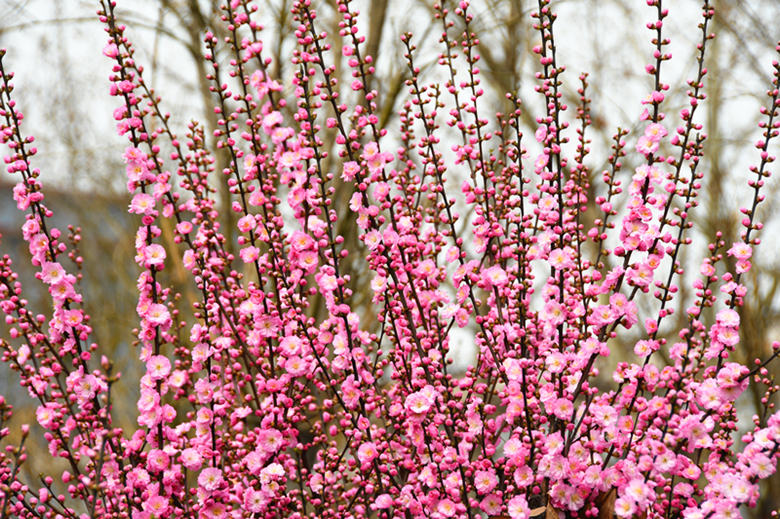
[328, 283]
[272, 472]
[491, 504]
[554, 313]
[184, 227]
[110, 50]
[72, 317]
[485, 481]
[367, 452]
[624, 507]
[350, 392]
[246, 223]
[62, 291]
[157, 314]
[646, 146]
[254, 461]
[728, 317]
[157, 460]
[446, 508]
[52, 273]
[541, 162]
[351, 169]
[370, 150]
[560, 259]
[517, 508]
[154, 255]
[148, 400]
[270, 440]
[210, 479]
[272, 119]
[494, 276]
[158, 367]
[418, 403]
[555, 362]
[638, 492]
[541, 134]
[46, 415]
[254, 501]
[563, 408]
[383, 502]
[655, 132]
[142, 204]
[296, 366]
[301, 241]
[291, 345]
[644, 348]
[85, 387]
[249, 254]
[741, 251]
[372, 239]
[156, 505]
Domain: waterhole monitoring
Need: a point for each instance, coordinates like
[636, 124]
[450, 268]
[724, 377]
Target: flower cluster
[282, 392]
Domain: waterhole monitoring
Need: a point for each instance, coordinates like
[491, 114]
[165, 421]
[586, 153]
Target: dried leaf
[552, 513]
[538, 512]
[606, 504]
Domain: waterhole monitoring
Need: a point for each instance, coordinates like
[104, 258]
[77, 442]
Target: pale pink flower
[741, 251]
[157, 314]
[485, 481]
[210, 479]
[156, 505]
[158, 367]
[517, 508]
[246, 223]
[351, 169]
[157, 460]
[52, 273]
[154, 255]
[446, 508]
[494, 276]
[142, 204]
[367, 452]
[655, 132]
[249, 254]
[646, 146]
[418, 402]
[254, 501]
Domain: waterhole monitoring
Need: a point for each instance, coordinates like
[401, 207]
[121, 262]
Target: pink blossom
[46, 415]
[517, 508]
[446, 508]
[158, 315]
[157, 460]
[158, 367]
[156, 506]
[249, 254]
[367, 452]
[485, 481]
[254, 501]
[142, 204]
[494, 276]
[110, 50]
[655, 132]
[646, 146]
[210, 479]
[418, 403]
[154, 255]
[246, 223]
[52, 273]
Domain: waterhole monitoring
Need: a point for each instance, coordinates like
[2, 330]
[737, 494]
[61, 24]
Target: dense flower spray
[283, 397]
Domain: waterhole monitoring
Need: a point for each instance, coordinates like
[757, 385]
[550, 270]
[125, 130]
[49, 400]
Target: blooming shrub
[260, 403]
